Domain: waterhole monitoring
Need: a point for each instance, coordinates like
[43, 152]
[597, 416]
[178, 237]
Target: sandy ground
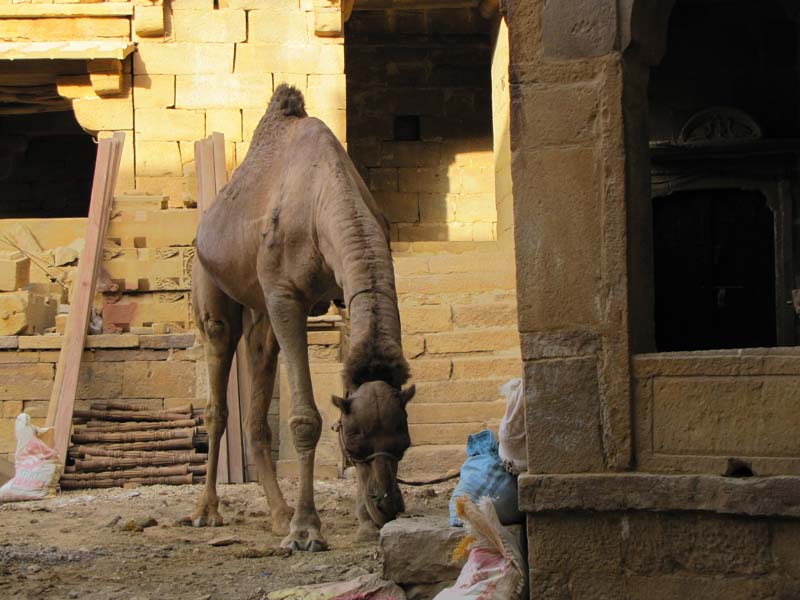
[76, 545]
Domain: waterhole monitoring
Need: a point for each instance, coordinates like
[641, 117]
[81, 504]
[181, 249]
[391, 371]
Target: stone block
[112, 340]
[239, 90]
[559, 344]
[580, 543]
[8, 342]
[410, 154]
[432, 541]
[427, 179]
[15, 269]
[785, 542]
[157, 159]
[475, 207]
[476, 180]
[484, 232]
[11, 409]
[26, 381]
[75, 86]
[455, 412]
[167, 124]
[145, 379]
[398, 207]
[493, 314]
[484, 340]
[579, 29]
[422, 461]
[328, 21]
[227, 121]
[154, 91]
[282, 24]
[18, 357]
[478, 367]
[562, 400]
[167, 341]
[182, 59]
[209, 25]
[564, 114]
[426, 319]
[250, 120]
[325, 91]
[98, 380]
[26, 312]
[8, 441]
[410, 265]
[437, 207]
[286, 58]
[324, 338]
[431, 369]
[74, 28]
[104, 114]
[668, 587]
[383, 180]
[148, 21]
[413, 346]
[458, 390]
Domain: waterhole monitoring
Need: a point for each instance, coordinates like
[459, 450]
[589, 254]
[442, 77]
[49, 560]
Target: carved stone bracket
[330, 17]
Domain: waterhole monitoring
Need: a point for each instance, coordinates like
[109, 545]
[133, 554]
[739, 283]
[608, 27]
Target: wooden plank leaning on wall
[62, 397]
[211, 177]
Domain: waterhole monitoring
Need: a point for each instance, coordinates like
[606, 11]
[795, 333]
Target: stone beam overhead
[413, 4]
[71, 50]
[34, 11]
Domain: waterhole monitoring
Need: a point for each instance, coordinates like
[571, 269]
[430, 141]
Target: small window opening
[738, 468]
[406, 128]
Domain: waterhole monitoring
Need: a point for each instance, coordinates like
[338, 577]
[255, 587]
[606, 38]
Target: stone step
[459, 391]
[450, 283]
[488, 339]
[428, 461]
[447, 413]
[505, 366]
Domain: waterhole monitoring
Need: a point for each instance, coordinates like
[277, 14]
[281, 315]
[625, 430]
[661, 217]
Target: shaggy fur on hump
[287, 101]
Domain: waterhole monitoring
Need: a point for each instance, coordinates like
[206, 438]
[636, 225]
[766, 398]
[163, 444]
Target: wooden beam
[62, 397]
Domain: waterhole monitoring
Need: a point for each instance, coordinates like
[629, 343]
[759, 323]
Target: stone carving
[719, 125]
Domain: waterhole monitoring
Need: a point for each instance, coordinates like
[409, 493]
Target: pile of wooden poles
[114, 444]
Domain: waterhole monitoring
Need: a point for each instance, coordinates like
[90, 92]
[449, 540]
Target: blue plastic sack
[483, 475]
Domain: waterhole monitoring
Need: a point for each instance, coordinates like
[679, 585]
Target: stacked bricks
[436, 184]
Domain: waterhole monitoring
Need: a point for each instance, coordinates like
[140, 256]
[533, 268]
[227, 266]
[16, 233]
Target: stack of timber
[116, 444]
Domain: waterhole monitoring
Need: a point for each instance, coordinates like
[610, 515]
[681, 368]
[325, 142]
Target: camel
[296, 226]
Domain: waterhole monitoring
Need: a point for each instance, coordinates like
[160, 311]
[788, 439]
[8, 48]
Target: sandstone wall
[432, 67]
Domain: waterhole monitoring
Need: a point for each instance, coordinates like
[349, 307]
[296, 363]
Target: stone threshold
[612, 492]
[106, 340]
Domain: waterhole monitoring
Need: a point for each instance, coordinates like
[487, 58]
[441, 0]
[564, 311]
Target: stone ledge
[753, 496]
[35, 11]
[106, 341]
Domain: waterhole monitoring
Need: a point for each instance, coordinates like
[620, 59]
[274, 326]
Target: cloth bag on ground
[494, 569]
[37, 468]
[513, 446]
[483, 475]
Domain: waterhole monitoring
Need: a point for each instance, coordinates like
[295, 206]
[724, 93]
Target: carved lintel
[328, 18]
[719, 125]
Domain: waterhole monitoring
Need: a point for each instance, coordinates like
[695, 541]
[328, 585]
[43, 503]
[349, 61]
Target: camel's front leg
[288, 318]
[220, 320]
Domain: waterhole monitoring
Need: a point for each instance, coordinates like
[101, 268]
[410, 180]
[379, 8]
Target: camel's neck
[355, 245]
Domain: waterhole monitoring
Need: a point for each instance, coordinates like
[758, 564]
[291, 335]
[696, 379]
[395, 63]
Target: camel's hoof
[367, 532]
[301, 541]
[281, 520]
[207, 517]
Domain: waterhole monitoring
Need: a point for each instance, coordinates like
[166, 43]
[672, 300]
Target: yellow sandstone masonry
[153, 91]
[169, 124]
[155, 158]
[209, 26]
[148, 21]
[475, 207]
[437, 207]
[280, 58]
[125, 179]
[223, 91]
[96, 114]
[76, 28]
[183, 59]
[227, 121]
[279, 24]
[426, 319]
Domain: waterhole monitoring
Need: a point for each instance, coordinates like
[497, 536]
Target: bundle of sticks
[114, 444]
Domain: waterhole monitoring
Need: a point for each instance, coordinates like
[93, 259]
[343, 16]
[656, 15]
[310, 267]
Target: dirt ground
[78, 544]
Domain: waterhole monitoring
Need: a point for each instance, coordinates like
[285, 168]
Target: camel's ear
[343, 404]
[408, 393]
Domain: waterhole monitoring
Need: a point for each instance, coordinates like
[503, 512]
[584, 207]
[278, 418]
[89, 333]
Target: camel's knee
[306, 430]
[216, 416]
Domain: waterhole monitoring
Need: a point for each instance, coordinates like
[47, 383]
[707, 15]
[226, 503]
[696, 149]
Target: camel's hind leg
[219, 319]
[262, 354]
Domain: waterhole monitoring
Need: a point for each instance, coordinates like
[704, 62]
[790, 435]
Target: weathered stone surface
[579, 28]
[455, 412]
[169, 124]
[457, 342]
[485, 368]
[559, 344]
[494, 314]
[436, 460]
[9, 342]
[182, 59]
[159, 379]
[458, 390]
[227, 121]
[242, 90]
[563, 419]
[581, 543]
[670, 587]
[426, 319]
[785, 542]
[423, 434]
[100, 380]
[209, 26]
[26, 381]
[418, 550]
[753, 496]
[170, 340]
[431, 369]
[279, 58]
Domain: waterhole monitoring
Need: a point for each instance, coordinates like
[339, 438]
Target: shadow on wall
[419, 120]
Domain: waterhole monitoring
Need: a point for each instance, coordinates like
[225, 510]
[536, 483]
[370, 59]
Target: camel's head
[374, 435]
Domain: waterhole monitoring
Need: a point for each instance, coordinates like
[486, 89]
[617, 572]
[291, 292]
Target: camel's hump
[288, 101]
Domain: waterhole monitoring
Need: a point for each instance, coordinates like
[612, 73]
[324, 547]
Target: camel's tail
[287, 101]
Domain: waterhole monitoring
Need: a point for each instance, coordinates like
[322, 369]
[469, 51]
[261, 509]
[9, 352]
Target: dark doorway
[46, 165]
[714, 270]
